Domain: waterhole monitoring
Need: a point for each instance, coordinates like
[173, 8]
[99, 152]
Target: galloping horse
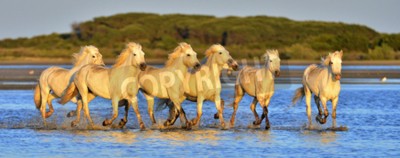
[324, 82]
[54, 80]
[116, 83]
[167, 82]
[258, 83]
[205, 84]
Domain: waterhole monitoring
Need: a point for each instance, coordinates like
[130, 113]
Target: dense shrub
[246, 37]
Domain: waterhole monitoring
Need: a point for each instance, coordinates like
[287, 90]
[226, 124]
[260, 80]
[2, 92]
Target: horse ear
[84, 50]
[266, 54]
[341, 53]
[276, 52]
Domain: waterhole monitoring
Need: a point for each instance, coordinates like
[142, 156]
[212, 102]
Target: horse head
[88, 55]
[221, 56]
[188, 55]
[273, 62]
[334, 62]
[137, 55]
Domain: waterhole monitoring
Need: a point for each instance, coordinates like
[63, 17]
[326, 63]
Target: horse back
[315, 77]
[56, 78]
[96, 78]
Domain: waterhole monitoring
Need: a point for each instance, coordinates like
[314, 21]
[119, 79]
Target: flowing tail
[36, 97]
[69, 93]
[299, 94]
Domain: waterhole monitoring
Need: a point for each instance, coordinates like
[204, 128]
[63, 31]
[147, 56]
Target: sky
[27, 18]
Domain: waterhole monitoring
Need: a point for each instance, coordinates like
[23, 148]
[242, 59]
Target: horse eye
[220, 52]
[134, 54]
[330, 63]
[188, 55]
[93, 56]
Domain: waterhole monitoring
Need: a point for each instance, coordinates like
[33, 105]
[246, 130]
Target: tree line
[244, 37]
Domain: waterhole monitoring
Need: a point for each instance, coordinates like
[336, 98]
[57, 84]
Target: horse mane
[78, 57]
[210, 51]
[325, 60]
[176, 53]
[125, 54]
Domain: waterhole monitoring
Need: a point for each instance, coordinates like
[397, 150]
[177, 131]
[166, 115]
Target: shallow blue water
[370, 112]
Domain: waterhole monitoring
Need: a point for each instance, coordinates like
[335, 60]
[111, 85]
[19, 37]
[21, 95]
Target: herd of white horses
[182, 78]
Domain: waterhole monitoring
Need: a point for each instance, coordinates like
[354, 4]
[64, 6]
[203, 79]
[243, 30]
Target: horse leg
[85, 104]
[173, 114]
[177, 103]
[238, 97]
[318, 103]
[150, 107]
[223, 106]
[308, 103]
[77, 113]
[135, 107]
[334, 103]
[44, 95]
[220, 110]
[253, 109]
[265, 113]
[114, 104]
[126, 104]
[200, 100]
[49, 101]
[326, 112]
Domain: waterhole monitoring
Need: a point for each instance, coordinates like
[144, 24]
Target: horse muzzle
[197, 67]
[338, 76]
[233, 64]
[277, 73]
[142, 66]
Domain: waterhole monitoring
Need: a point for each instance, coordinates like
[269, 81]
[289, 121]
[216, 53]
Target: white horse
[54, 80]
[205, 84]
[324, 82]
[258, 83]
[116, 83]
[167, 82]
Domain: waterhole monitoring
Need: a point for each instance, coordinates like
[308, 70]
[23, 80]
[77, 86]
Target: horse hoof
[71, 114]
[74, 124]
[223, 125]
[142, 127]
[216, 116]
[122, 123]
[319, 119]
[166, 123]
[106, 122]
[188, 126]
[48, 114]
[267, 127]
[323, 121]
[256, 122]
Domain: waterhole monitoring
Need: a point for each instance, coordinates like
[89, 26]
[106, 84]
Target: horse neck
[178, 65]
[213, 67]
[126, 62]
[330, 78]
[265, 70]
[77, 66]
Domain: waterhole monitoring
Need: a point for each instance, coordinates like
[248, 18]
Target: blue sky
[26, 18]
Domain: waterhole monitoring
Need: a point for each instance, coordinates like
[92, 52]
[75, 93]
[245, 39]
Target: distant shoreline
[61, 61]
